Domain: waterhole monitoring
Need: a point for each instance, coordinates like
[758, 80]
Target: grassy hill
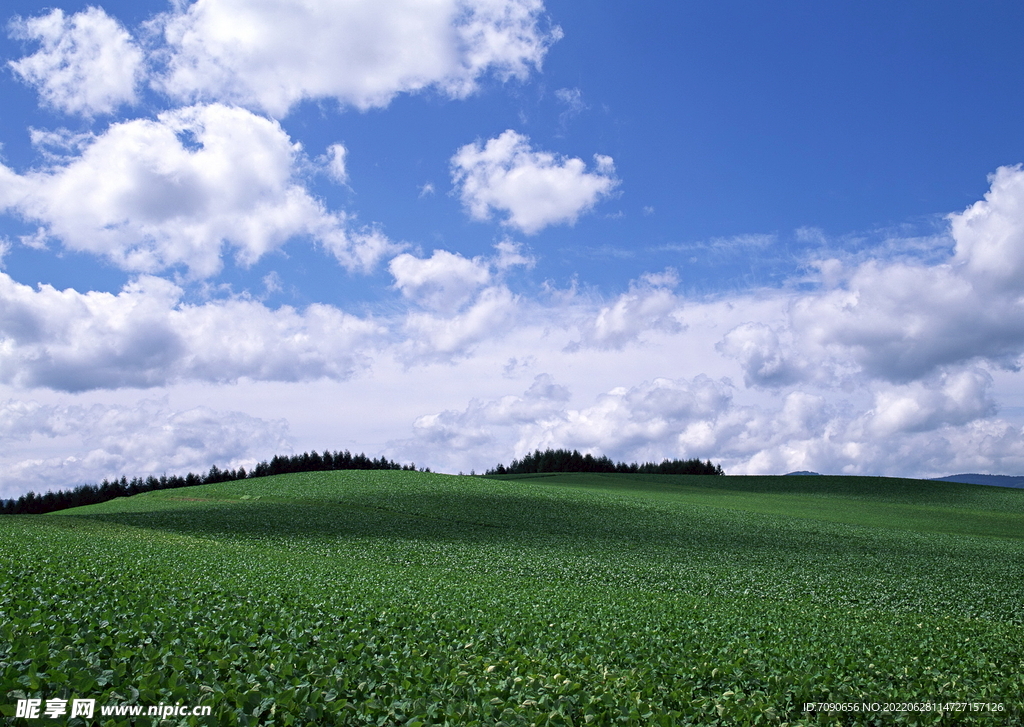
[407, 598]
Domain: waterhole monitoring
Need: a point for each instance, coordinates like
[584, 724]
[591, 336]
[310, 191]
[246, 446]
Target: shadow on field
[470, 517]
[509, 518]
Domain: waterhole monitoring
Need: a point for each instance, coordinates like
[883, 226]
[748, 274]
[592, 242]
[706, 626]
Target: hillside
[409, 598]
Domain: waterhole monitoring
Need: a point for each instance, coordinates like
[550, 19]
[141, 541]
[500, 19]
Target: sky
[783, 236]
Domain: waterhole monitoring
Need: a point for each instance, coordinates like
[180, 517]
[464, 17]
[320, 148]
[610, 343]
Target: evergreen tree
[563, 460]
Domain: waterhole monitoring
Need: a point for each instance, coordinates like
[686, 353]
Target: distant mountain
[969, 479]
[976, 479]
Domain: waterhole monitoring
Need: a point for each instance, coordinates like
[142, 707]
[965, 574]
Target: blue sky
[450, 231]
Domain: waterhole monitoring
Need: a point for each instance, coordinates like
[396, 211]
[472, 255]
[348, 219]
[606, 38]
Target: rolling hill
[409, 598]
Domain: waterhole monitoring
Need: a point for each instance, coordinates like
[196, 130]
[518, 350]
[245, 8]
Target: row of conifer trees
[563, 460]
[33, 504]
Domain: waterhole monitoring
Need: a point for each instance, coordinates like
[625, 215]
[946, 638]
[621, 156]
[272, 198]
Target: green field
[406, 598]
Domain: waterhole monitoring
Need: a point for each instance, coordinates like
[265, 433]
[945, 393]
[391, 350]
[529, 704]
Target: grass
[405, 598]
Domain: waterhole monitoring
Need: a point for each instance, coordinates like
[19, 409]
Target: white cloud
[927, 429]
[648, 306]
[464, 301]
[155, 194]
[148, 438]
[335, 162]
[355, 248]
[481, 432]
[829, 399]
[643, 421]
[955, 398]
[667, 278]
[903, 320]
[443, 282]
[510, 254]
[722, 247]
[535, 188]
[272, 282]
[87, 63]
[573, 100]
[631, 403]
[760, 353]
[272, 54]
[571, 97]
[431, 336]
[145, 337]
[650, 421]
[55, 145]
[20, 420]
[990, 234]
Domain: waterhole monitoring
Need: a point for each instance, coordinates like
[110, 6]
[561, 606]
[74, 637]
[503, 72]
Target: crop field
[407, 598]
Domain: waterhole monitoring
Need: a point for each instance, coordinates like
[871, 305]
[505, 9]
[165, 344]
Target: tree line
[562, 460]
[33, 504]
[551, 460]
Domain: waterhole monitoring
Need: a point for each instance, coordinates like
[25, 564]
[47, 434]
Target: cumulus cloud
[86, 64]
[534, 189]
[145, 336]
[889, 367]
[655, 419]
[648, 305]
[463, 300]
[148, 438]
[477, 424]
[955, 398]
[443, 282]
[928, 428]
[664, 414]
[155, 194]
[480, 433]
[762, 356]
[272, 54]
[446, 281]
[431, 336]
[903, 320]
[990, 234]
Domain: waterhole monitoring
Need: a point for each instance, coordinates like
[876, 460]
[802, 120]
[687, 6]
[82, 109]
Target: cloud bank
[146, 439]
[145, 337]
[886, 367]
